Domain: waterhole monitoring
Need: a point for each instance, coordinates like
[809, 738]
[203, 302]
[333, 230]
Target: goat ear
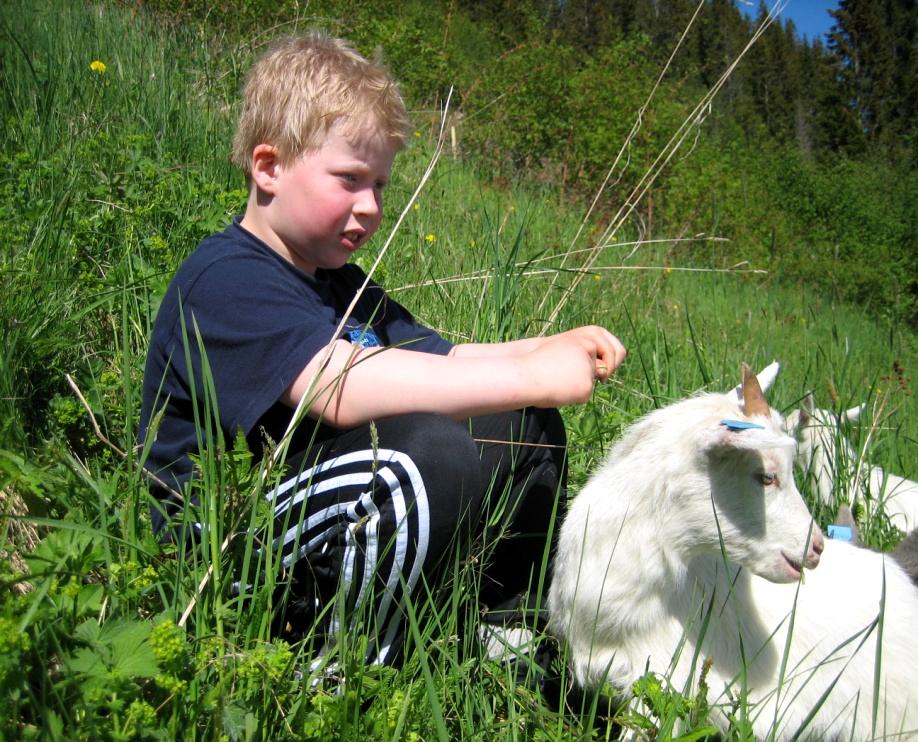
[768, 375]
[801, 417]
[853, 414]
[725, 438]
[805, 417]
[809, 403]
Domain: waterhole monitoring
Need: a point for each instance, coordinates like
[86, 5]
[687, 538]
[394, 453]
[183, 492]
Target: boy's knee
[536, 435]
[550, 425]
[445, 455]
[430, 440]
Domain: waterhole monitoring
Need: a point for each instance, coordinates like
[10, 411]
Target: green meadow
[116, 132]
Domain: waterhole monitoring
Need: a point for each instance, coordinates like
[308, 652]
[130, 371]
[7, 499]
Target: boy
[399, 456]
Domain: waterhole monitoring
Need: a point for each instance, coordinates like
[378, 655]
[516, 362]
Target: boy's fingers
[606, 351]
[604, 367]
[614, 352]
[609, 358]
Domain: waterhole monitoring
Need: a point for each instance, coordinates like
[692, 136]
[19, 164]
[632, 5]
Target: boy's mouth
[353, 237]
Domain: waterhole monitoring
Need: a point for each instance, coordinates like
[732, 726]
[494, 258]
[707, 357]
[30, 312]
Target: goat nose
[817, 546]
[819, 543]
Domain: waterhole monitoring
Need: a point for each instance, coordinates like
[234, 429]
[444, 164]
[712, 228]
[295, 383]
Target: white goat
[688, 544]
[831, 463]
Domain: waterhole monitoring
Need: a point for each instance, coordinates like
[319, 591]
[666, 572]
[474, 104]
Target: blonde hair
[302, 86]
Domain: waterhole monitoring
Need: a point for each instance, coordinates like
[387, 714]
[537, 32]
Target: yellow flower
[431, 237]
[416, 206]
[417, 135]
[472, 243]
[98, 67]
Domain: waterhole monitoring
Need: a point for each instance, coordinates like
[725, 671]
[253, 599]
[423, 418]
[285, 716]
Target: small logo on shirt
[364, 336]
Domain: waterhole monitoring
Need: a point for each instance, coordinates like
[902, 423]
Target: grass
[109, 180]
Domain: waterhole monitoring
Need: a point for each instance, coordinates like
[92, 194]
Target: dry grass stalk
[688, 126]
[20, 536]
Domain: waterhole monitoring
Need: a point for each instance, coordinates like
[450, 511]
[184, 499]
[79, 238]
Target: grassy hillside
[115, 141]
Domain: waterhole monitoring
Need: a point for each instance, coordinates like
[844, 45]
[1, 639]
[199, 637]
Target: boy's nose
[367, 202]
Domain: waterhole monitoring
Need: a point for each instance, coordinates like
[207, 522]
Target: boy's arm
[595, 339]
[357, 385]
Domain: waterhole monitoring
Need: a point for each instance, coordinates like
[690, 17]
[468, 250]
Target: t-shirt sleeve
[258, 329]
[391, 320]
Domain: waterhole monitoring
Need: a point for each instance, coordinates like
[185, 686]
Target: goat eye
[768, 479]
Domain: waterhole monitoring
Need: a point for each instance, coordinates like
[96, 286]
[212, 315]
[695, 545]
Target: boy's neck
[253, 223]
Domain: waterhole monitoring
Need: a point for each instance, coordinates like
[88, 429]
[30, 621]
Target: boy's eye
[767, 480]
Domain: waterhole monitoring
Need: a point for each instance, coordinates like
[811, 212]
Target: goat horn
[754, 402]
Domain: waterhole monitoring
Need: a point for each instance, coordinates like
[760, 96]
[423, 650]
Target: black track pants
[373, 512]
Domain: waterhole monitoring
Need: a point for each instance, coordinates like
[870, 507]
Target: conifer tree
[873, 42]
[774, 76]
[668, 22]
[832, 124]
[586, 25]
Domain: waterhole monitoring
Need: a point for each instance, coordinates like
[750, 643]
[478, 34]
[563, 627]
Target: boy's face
[328, 203]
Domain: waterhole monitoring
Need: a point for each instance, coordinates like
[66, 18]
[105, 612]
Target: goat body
[688, 544]
[831, 463]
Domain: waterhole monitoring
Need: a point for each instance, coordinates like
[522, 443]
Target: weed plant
[115, 140]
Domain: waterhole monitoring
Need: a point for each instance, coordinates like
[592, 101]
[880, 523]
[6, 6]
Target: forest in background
[804, 162]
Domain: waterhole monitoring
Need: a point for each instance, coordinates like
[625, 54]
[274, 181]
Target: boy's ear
[265, 167]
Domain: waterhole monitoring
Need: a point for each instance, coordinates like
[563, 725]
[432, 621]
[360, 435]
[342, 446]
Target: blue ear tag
[840, 533]
[740, 425]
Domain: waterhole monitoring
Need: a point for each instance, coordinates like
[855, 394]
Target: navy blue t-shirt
[260, 321]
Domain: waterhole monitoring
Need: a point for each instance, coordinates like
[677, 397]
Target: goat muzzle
[817, 546]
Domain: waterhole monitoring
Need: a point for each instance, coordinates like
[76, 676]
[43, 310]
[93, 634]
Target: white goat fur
[823, 453]
[639, 563]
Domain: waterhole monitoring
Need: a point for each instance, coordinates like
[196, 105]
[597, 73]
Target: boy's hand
[564, 366]
[606, 350]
